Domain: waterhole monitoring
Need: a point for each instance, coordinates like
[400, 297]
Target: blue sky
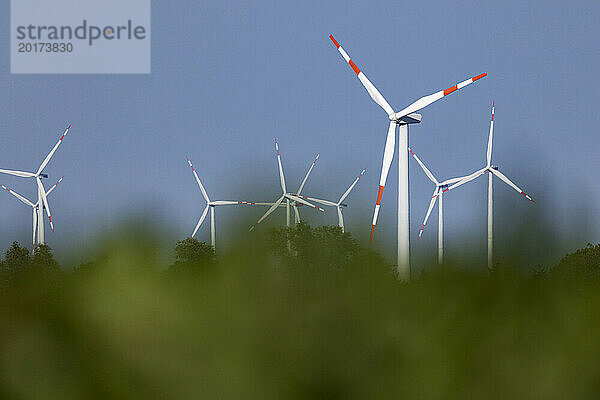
[227, 77]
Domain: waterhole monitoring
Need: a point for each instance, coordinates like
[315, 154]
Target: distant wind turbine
[36, 210]
[490, 170]
[439, 187]
[290, 198]
[40, 187]
[210, 205]
[339, 203]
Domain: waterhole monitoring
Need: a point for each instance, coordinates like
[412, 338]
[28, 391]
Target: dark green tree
[584, 263]
[16, 262]
[43, 259]
[322, 247]
[193, 255]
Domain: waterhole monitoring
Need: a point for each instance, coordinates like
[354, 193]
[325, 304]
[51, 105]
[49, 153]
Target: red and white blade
[388, 156]
[427, 100]
[431, 205]
[49, 156]
[198, 180]
[18, 196]
[201, 220]
[347, 192]
[509, 183]
[307, 174]
[423, 167]
[371, 89]
[491, 136]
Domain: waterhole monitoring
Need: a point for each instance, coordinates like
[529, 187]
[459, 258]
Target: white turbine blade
[229, 203]
[427, 100]
[509, 183]
[54, 186]
[306, 203]
[347, 192]
[423, 167]
[307, 174]
[431, 205]
[201, 220]
[269, 211]
[467, 179]
[248, 203]
[45, 200]
[49, 156]
[450, 181]
[296, 214]
[373, 92]
[340, 218]
[281, 176]
[321, 201]
[22, 174]
[18, 196]
[198, 180]
[388, 156]
[489, 147]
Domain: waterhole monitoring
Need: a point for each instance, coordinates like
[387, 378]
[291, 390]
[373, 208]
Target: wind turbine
[288, 197]
[490, 170]
[210, 205]
[401, 120]
[35, 207]
[40, 187]
[339, 203]
[439, 187]
[294, 204]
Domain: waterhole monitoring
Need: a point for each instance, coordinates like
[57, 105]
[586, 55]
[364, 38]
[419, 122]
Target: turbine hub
[413, 118]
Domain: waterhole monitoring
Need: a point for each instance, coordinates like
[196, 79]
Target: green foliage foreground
[306, 314]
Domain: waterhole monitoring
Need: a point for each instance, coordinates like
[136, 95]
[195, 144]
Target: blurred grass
[260, 325]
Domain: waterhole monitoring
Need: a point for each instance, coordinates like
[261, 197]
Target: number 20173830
[43, 47]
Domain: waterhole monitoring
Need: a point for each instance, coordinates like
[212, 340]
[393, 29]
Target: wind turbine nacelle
[413, 118]
[494, 167]
[44, 176]
[344, 205]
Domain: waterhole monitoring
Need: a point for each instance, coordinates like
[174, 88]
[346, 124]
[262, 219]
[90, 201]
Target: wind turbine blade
[198, 180]
[467, 179]
[489, 147]
[248, 203]
[269, 211]
[22, 174]
[49, 156]
[201, 220]
[281, 176]
[347, 192]
[307, 174]
[320, 201]
[18, 196]
[373, 92]
[509, 183]
[450, 181]
[388, 156]
[229, 203]
[431, 205]
[296, 214]
[340, 218]
[45, 200]
[306, 203]
[54, 186]
[427, 100]
[424, 168]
